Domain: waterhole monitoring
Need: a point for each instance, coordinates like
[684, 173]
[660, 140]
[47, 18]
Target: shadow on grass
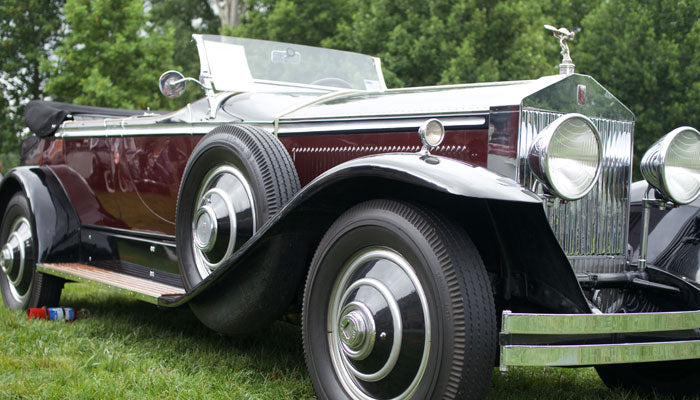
[278, 347]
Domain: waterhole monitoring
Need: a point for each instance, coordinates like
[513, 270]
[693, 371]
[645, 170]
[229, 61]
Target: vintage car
[425, 235]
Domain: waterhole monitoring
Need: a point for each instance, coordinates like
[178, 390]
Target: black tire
[675, 378]
[22, 285]
[382, 241]
[255, 162]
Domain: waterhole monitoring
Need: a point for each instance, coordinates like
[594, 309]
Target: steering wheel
[334, 82]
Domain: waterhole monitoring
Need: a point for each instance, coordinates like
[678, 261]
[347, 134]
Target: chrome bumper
[566, 340]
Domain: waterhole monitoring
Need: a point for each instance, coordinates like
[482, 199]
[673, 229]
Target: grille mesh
[596, 225]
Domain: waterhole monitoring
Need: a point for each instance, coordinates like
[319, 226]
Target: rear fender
[271, 266]
[56, 224]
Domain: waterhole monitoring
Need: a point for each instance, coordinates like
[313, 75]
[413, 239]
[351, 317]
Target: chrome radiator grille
[593, 230]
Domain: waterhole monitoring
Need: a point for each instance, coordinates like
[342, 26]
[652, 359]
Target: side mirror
[172, 84]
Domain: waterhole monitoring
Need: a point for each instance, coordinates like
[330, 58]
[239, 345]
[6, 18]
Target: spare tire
[237, 177]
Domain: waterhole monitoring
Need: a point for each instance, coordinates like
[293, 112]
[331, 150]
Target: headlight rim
[539, 154]
[423, 133]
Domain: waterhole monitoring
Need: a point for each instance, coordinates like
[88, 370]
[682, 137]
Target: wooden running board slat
[143, 289]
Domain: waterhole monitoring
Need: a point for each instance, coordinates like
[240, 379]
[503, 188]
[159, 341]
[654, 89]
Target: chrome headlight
[566, 156]
[672, 165]
[431, 133]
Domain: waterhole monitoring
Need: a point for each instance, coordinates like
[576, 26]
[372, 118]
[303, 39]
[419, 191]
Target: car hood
[560, 93]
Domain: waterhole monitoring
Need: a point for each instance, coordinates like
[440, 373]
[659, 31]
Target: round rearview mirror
[172, 84]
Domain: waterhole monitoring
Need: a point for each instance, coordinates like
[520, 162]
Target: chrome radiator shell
[592, 231]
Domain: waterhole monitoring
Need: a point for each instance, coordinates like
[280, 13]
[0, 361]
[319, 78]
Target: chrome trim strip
[375, 124]
[574, 324]
[166, 240]
[580, 355]
[285, 127]
[76, 278]
[67, 132]
[388, 118]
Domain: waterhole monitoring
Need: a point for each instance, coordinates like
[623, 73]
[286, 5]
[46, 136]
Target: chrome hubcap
[205, 228]
[357, 331]
[14, 259]
[6, 259]
[224, 217]
[379, 326]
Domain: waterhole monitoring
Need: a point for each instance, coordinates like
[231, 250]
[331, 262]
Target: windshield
[237, 64]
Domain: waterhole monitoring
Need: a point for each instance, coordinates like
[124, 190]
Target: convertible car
[424, 235]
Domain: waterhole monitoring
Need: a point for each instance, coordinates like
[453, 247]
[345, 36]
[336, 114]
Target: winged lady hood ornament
[567, 65]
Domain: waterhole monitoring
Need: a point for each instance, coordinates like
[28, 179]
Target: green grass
[129, 349]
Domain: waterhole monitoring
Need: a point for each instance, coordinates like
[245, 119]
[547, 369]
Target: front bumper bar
[567, 340]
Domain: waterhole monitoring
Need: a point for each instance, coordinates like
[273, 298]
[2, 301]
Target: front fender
[262, 278]
[56, 224]
[435, 173]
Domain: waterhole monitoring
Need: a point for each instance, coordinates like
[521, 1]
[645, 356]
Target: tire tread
[468, 286]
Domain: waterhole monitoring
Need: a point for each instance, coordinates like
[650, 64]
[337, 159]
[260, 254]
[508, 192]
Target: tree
[294, 21]
[110, 56]
[441, 41]
[184, 18]
[28, 31]
[649, 58]
[230, 11]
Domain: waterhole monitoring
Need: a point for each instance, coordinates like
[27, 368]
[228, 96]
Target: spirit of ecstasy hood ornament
[567, 65]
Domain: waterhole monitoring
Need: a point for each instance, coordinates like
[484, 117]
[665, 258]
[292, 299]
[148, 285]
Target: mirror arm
[203, 86]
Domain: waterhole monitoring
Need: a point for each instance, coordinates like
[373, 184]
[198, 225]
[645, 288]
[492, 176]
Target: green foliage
[439, 41]
[28, 31]
[292, 21]
[8, 161]
[110, 56]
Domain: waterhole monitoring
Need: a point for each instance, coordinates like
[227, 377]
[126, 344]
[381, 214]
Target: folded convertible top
[44, 117]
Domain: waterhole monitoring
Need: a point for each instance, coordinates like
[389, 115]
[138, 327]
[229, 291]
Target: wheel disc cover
[223, 218]
[15, 256]
[378, 326]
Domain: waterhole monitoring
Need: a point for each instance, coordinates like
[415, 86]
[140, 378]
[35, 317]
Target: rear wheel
[237, 177]
[398, 305]
[677, 378]
[22, 286]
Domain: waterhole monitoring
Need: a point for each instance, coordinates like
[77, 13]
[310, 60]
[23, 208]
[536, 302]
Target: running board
[142, 289]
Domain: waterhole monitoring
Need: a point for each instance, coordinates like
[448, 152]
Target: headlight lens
[566, 156]
[672, 165]
[431, 132]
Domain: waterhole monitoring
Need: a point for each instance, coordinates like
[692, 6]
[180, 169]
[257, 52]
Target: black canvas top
[44, 117]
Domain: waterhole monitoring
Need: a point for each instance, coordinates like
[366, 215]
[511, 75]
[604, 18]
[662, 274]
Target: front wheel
[398, 305]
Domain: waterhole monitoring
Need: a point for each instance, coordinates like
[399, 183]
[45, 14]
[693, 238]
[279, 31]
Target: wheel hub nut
[6, 258]
[205, 228]
[353, 330]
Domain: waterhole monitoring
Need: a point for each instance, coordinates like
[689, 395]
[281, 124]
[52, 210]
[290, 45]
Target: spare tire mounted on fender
[237, 177]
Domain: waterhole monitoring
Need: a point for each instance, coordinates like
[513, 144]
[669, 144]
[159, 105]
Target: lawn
[129, 349]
